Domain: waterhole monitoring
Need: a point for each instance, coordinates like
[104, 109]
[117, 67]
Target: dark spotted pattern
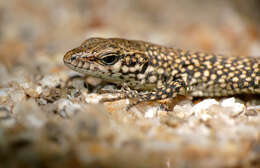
[153, 72]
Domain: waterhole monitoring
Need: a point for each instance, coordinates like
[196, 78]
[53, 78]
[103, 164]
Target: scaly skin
[155, 72]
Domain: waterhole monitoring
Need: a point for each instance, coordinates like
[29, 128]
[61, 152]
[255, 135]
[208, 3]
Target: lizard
[149, 71]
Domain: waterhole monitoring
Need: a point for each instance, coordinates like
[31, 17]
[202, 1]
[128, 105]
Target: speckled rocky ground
[47, 120]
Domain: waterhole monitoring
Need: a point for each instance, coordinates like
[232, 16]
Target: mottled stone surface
[51, 116]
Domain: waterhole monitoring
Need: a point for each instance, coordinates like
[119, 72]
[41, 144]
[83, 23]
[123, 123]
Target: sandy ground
[47, 120]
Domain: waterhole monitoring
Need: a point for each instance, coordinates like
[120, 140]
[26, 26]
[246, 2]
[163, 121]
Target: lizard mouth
[74, 62]
[73, 58]
[78, 65]
[83, 64]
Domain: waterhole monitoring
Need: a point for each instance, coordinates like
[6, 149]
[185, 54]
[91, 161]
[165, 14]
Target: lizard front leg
[169, 90]
[124, 93]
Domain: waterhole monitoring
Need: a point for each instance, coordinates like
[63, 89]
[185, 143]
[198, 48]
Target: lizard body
[156, 72]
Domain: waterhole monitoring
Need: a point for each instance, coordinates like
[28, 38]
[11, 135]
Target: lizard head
[111, 59]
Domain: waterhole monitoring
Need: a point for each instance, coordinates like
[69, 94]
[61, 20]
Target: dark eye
[110, 60]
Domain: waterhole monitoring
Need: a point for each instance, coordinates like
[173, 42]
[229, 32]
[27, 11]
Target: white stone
[233, 105]
[151, 112]
[92, 98]
[50, 81]
[205, 104]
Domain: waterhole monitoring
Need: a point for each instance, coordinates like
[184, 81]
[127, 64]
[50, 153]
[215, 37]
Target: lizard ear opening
[109, 60]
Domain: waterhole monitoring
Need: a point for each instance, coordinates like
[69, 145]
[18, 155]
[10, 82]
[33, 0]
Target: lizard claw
[112, 99]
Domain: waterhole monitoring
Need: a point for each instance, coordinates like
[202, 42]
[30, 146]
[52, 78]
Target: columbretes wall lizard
[149, 71]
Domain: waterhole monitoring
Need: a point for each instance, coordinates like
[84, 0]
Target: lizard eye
[110, 60]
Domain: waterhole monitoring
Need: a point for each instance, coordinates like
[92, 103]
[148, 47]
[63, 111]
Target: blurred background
[44, 123]
[30, 28]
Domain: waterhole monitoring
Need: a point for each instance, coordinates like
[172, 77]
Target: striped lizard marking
[149, 71]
